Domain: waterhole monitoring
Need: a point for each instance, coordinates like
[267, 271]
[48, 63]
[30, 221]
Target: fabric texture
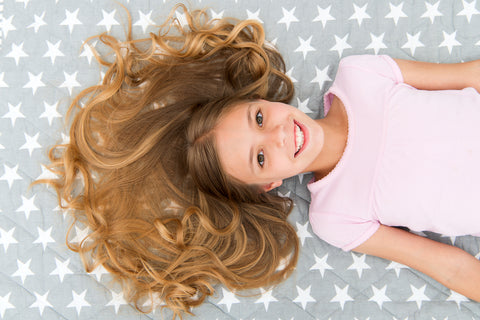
[43, 65]
[411, 157]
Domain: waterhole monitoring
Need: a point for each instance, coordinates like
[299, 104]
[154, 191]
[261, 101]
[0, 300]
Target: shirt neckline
[350, 126]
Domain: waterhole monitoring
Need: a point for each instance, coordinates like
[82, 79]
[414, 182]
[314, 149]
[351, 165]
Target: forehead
[233, 136]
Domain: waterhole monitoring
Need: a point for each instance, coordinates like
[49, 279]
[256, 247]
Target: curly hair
[165, 219]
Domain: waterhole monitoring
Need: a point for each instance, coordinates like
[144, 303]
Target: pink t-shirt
[412, 157]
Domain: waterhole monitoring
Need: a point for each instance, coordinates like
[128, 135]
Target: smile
[299, 138]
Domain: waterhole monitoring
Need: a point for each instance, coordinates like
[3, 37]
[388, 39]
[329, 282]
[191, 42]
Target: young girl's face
[264, 142]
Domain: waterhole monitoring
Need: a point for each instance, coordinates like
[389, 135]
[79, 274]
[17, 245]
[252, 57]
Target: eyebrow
[249, 120]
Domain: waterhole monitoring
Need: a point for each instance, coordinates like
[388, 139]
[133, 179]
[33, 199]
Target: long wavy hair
[165, 219]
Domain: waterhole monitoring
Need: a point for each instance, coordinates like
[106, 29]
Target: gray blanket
[42, 66]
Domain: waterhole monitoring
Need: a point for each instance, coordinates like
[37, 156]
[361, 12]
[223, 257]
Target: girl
[190, 127]
[386, 154]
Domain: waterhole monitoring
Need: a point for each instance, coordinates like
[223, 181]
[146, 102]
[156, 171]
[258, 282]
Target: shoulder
[378, 65]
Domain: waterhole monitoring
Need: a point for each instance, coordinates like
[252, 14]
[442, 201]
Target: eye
[261, 159]
[259, 118]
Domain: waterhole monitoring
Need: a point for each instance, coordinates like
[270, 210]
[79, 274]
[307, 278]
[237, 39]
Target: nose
[278, 136]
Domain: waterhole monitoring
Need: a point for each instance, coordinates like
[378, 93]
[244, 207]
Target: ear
[272, 185]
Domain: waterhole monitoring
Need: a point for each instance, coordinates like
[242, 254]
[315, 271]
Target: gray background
[41, 66]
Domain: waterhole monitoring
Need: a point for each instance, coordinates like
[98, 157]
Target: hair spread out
[141, 171]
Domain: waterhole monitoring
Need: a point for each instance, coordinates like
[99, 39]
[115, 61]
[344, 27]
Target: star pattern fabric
[43, 64]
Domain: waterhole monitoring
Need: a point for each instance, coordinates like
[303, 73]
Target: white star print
[108, 20]
[70, 81]
[304, 296]
[360, 14]
[182, 19]
[254, 15]
[80, 234]
[23, 270]
[145, 20]
[377, 43]
[305, 46]
[453, 239]
[397, 267]
[6, 26]
[10, 175]
[6, 238]
[324, 15]
[285, 195]
[288, 17]
[154, 302]
[321, 264]
[303, 105]
[396, 12]
[38, 22]
[340, 45]
[99, 271]
[468, 10]
[27, 206]
[5, 304]
[379, 296]
[289, 74]
[78, 301]
[46, 174]
[266, 298]
[88, 50]
[321, 77]
[3, 84]
[215, 15]
[17, 53]
[311, 71]
[44, 237]
[35, 82]
[449, 41]
[341, 296]
[41, 302]
[62, 268]
[432, 11]
[65, 139]
[413, 42]
[228, 299]
[457, 298]
[53, 51]
[50, 112]
[418, 295]
[283, 263]
[13, 113]
[302, 232]
[358, 264]
[31, 143]
[117, 300]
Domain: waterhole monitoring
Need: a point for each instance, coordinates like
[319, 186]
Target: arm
[437, 76]
[449, 265]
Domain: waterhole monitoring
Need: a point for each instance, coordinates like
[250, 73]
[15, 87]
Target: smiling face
[262, 142]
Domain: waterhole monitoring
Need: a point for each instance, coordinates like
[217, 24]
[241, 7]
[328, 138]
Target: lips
[300, 138]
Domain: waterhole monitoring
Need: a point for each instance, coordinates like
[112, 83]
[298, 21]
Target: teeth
[299, 138]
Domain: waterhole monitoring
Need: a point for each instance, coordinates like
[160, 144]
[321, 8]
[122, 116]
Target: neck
[335, 129]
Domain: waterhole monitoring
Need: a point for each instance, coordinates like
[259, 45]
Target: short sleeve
[359, 74]
[342, 231]
[381, 65]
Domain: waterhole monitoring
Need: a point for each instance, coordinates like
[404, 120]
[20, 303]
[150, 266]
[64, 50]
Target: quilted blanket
[42, 66]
